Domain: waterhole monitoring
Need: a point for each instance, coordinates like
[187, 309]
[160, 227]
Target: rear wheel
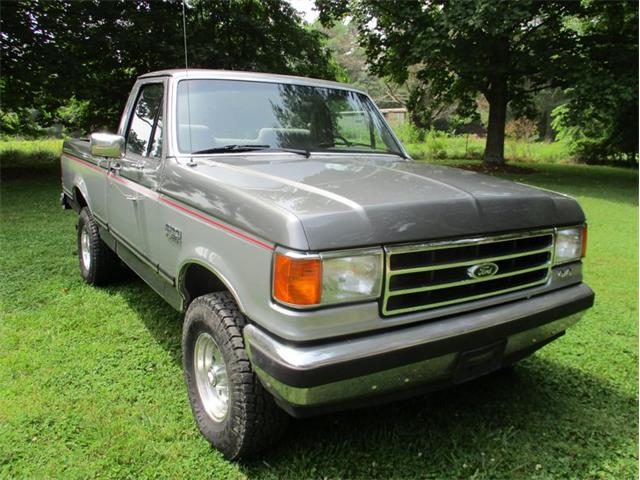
[98, 263]
[229, 404]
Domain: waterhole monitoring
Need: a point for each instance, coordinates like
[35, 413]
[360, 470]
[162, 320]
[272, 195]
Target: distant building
[394, 115]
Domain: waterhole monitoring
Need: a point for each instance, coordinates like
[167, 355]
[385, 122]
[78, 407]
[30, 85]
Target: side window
[144, 135]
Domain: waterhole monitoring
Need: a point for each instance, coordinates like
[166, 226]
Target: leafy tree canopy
[351, 61]
[506, 50]
[601, 117]
[77, 60]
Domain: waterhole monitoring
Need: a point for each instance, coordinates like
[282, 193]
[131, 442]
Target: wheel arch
[80, 196]
[196, 278]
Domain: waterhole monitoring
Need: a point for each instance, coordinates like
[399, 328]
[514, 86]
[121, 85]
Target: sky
[306, 9]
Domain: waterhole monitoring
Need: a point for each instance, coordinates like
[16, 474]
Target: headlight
[571, 244]
[308, 280]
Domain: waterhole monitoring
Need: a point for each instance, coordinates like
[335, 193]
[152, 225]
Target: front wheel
[230, 406]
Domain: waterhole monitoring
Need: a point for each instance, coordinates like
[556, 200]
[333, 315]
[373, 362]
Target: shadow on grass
[163, 322]
[27, 173]
[17, 164]
[538, 413]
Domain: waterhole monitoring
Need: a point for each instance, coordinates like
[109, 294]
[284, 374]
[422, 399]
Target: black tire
[102, 265]
[253, 421]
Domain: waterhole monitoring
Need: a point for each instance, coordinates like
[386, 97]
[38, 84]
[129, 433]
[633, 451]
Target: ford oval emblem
[482, 270]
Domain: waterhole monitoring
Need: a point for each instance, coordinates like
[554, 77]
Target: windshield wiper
[231, 148]
[299, 151]
[252, 148]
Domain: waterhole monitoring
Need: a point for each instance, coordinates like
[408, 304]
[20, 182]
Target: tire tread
[104, 262]
[260, 421]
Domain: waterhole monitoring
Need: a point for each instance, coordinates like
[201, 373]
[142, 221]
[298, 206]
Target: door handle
[117, 167]
[127, 196]
[134, 198]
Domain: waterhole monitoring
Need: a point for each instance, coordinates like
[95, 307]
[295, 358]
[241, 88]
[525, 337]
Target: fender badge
[173, 233]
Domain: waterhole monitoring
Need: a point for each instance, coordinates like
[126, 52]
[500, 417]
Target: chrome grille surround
[536, 273]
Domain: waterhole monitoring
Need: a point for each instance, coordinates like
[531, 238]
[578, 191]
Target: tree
[505, 50]
[601, 117]
[92, 51]
[351, 60]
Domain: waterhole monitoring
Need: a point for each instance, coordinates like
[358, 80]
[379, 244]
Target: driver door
[132, 184]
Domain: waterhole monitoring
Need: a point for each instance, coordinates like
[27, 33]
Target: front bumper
[307, 379]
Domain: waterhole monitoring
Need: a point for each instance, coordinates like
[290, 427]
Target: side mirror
[106, 145]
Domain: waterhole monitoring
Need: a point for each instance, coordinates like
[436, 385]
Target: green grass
[91, 383]
[438, 147]
[441, 146]
[28, 154]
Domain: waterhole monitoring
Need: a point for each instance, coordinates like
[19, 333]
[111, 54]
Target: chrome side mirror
[106, 145]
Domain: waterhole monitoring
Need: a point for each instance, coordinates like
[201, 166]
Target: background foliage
[600, 119]
[469, 66]
[73, 63]
[507, 51]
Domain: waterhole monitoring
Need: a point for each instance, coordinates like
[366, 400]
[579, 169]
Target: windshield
[245, 115]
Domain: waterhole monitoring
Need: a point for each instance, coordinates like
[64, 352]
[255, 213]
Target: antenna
[184, 36]
[186, 71]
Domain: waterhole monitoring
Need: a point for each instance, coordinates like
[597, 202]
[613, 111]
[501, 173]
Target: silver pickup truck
[320, 268]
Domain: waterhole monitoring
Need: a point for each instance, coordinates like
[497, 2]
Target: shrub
[407, 132]
[523, 129]
[594, 137]
[71, 114]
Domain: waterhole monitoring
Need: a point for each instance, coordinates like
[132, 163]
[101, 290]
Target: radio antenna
[186, 71]
[184, 36]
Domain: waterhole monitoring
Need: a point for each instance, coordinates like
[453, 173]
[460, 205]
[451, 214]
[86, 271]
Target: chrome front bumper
[307, 379]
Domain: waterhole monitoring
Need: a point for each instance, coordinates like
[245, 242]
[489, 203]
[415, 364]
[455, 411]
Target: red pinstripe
[210, 221]
[175, 205]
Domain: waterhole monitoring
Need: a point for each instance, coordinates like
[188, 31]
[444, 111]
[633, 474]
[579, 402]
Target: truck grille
[419, 277]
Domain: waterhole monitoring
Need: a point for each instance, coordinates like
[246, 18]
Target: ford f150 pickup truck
[319, 266]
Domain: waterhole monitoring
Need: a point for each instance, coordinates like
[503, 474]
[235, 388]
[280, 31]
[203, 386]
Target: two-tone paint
[228, 212]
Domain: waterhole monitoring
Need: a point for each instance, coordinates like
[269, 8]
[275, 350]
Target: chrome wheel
[85, 247]
[211, 377]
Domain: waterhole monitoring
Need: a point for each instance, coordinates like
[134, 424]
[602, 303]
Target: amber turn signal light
[297, 281]
[584, 241]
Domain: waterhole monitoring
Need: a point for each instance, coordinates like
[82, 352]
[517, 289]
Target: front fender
[79, 185]
[204, 263]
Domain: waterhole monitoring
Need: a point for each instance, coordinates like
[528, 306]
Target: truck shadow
[163, 322]
[540, 414]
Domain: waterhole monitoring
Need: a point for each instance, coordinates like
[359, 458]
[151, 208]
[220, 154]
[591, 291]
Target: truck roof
[247, 76]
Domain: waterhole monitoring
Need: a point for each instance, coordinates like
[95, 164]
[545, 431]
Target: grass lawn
[440, 145]
[91, 383]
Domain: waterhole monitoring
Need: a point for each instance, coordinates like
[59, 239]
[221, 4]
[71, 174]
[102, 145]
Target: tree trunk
[497, 98]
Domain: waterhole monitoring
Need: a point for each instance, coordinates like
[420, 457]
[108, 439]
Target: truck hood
[345, 201]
